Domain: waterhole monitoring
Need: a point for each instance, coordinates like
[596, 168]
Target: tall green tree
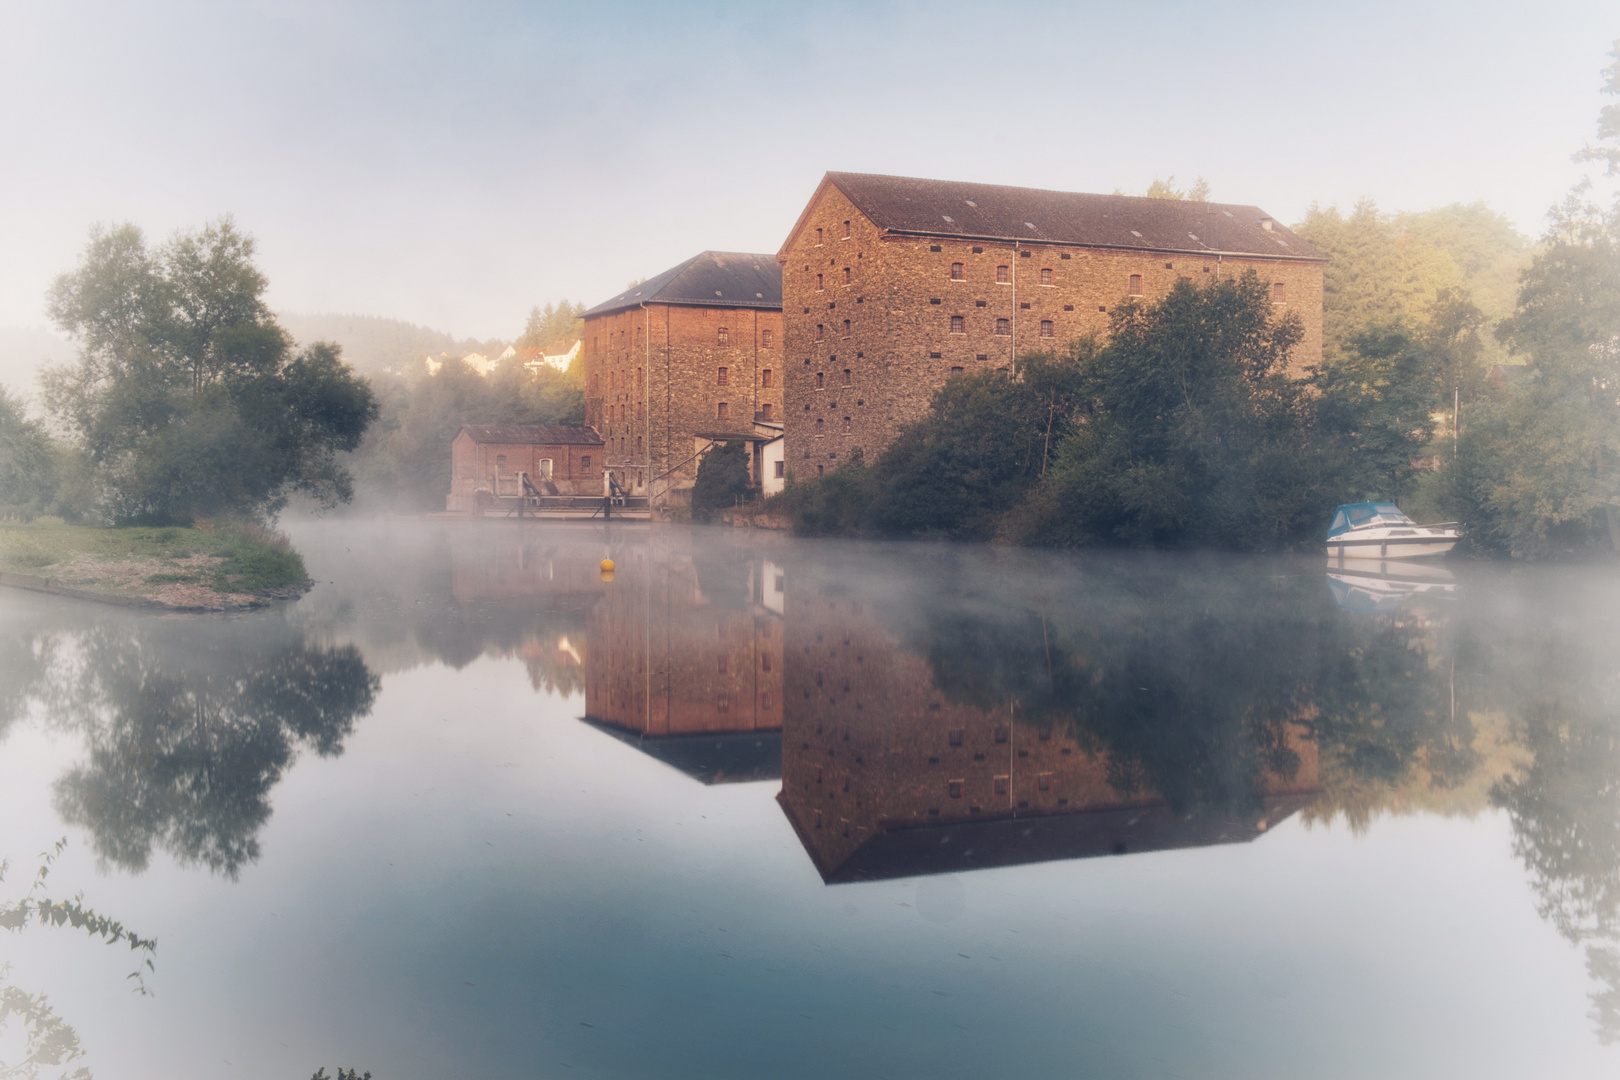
[1190, 430]
[188, 399]
[563, 321]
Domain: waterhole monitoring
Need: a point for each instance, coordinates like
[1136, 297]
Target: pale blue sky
[452, 164]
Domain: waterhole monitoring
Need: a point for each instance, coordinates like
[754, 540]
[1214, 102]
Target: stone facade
[668, 372]
[875, 320]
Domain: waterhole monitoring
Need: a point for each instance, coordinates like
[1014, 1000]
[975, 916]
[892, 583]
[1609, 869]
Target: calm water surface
[759, 808]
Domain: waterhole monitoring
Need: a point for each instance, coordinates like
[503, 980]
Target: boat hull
[1390, 547]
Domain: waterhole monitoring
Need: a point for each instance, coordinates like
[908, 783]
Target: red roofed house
[488, 461]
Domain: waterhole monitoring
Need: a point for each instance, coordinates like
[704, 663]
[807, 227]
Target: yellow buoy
[607, 575]
[607, 566]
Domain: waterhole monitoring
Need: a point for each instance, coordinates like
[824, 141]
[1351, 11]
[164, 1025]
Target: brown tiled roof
[533, 434]
[953, 209]
[713, 279]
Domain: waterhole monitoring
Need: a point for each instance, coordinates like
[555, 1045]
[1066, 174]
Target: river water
[755, 807]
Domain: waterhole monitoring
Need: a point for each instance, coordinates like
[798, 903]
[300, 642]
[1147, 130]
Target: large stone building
[686, 358]
[892, 284]
[489, 462]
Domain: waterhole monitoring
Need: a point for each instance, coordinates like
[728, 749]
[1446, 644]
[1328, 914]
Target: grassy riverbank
[209, 567]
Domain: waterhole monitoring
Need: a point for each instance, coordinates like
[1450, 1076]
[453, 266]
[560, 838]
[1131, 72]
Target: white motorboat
[1375, 530]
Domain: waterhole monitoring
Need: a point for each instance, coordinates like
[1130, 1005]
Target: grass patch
[241, 558]
[252, 566]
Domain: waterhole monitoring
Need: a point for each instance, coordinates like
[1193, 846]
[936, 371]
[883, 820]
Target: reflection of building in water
[685, 661]
[488, 566]
[882, 777]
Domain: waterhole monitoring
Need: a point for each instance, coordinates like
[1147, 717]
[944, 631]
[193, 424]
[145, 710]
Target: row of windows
[849, 428]
[722, 377]
[821, 237]
[767, 338]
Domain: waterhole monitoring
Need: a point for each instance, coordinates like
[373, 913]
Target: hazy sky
[452, 164]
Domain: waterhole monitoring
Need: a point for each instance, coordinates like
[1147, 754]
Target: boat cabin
[1365, 515]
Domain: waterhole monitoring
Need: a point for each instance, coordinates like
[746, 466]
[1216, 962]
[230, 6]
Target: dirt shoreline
[176, 597]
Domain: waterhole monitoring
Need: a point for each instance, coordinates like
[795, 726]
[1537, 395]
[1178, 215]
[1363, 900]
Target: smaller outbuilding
[488, 463]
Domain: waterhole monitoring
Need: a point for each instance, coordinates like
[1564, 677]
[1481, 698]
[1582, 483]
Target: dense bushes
[722, 480]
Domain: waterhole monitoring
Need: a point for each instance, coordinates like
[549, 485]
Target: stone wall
[868, 318]
[653, 382]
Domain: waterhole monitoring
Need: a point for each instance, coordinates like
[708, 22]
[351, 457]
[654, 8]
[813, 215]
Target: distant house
[489, 462]
[559, 354]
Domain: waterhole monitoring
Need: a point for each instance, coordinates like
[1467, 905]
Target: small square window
[978, 251]
[819, 470]
[1023, 307]
[955, 788]
[1003, 274]
[934, 300]
[956, 272]
[722, 376]
[958, 324]
[955, 737]
[981, 358]
[1001, 784]
[1003, 733]
[1004, 327]
[935, 355]
[1046, 275]
[1068, 307]
[933, 247]
[956, 370]
[1023, 254]
[1065, 255]
[585, 461]
[1046, 328]
[978, 303]
[1169, 266]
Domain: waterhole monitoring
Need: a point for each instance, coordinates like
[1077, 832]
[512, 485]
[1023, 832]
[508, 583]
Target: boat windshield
[1367, 515]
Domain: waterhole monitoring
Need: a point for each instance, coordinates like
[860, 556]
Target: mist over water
[770, 807]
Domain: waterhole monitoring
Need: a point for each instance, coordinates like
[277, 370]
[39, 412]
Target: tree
[554, 323]
[1539, 468]
[188, 399]
[28, 462]
[1166, 189]
[722, 480]
[1190, 429]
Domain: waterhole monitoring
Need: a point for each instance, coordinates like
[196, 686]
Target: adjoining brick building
[682, 360]
[489, 462]
[892, 284]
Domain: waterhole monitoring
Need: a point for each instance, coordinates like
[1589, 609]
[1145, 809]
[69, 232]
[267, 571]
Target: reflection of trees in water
[1565, 805]
[1192, 683]
[189, 726]
[1189, 679]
